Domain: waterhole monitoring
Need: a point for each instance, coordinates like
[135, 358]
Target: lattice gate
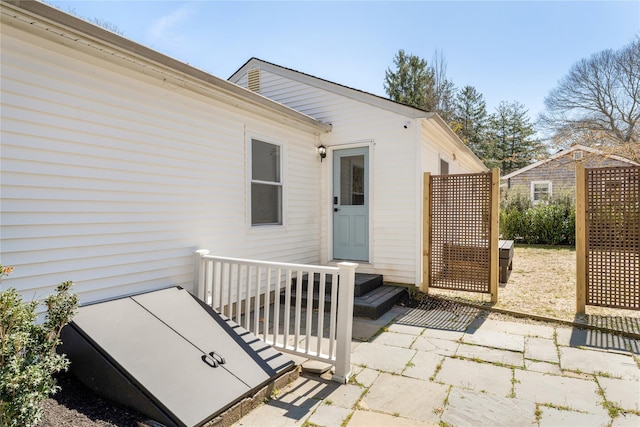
[460, 240]
[608, 237]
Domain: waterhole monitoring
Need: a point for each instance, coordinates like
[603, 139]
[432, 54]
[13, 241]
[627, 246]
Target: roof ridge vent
[253, 80]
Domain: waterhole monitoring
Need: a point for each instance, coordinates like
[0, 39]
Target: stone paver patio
[416, 368]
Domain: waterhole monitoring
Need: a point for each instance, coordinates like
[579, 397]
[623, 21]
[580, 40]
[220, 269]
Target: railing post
[347, 274]
[198, 273]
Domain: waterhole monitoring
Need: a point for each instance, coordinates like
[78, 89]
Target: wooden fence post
[426, 232]
[494, 234]
[581, 239]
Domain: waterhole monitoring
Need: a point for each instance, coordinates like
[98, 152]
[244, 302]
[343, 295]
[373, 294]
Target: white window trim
[249, 179]
[533, 184]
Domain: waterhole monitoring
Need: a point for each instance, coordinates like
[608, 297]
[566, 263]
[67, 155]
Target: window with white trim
[540, 191]
[266, 183]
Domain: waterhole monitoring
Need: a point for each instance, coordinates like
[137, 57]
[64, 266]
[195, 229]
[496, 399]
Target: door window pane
[352, 185]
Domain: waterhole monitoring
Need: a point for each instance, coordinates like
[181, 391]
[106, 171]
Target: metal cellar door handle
[217, 358]
[210, 360]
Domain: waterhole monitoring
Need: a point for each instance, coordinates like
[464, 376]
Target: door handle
[336, 209]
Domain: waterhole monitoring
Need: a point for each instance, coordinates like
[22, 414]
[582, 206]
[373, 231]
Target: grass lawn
[543, 283]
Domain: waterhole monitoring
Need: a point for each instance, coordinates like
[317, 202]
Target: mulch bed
[75, 405]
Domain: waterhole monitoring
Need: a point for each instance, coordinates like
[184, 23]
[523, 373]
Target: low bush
[28, 358]
[550, 223]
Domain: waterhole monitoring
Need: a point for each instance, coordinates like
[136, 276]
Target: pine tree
[410, 82]
[470, 121]
[512, 138]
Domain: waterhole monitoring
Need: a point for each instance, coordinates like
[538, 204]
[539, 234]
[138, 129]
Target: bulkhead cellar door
[168, 356]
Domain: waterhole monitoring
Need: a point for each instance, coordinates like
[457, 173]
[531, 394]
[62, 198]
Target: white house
[371, 180]
[117, 162]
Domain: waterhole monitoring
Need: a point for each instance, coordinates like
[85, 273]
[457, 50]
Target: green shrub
[545, 223]
[28, 357]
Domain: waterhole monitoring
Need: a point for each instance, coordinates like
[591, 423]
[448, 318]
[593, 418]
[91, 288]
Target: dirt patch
[543, 283]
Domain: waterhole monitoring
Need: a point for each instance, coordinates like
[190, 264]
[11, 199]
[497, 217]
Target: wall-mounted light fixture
[322, 150]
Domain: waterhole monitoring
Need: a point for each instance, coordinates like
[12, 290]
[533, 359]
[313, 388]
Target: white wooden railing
[233, 286]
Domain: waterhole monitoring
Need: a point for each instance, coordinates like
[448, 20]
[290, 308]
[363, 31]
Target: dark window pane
[266, 204]
[265, 161]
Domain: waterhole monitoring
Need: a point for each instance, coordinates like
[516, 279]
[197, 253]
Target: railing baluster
[287, 308]
[310, 283]
[276, 306]
[256, 302]
[296, 317]
[321, 291]
[239, 293]
[247, 298]
[267, 303]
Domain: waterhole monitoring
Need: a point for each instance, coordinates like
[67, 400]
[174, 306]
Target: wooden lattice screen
[460, 241]
[611, 236]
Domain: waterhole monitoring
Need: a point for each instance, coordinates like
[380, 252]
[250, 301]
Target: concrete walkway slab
[492, 355]
[626, 420]
[345, 396]
[572, 393]
[366, 376]
[435, 345]
[543, 367]
[472, 408]
[377, 419]
[623, 393]
[500, 340]
[600, 340]
[516, 328]
[382, 357]
[423, 365]
[394, 339]
[476, 376]
[406, 397]
[406, 329]
[593, 362]
[328, 416]
[552, 417]
[541, 349]
[287, 410]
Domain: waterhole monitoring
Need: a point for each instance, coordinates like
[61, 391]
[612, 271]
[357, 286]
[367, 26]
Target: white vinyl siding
[394, 200]
[112, 177]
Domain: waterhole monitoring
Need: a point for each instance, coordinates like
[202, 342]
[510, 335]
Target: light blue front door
[351, 204]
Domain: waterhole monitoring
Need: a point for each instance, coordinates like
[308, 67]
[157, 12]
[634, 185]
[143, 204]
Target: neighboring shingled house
[557, 174]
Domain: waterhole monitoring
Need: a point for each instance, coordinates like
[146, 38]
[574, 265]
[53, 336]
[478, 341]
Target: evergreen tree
[470, 121]
[414, 82]
[512, 138]
[410, 82]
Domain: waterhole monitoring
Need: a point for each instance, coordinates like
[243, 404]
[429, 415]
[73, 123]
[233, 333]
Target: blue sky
[507, 50]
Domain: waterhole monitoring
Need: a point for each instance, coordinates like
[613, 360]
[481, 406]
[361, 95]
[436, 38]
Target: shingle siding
[561, 172]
